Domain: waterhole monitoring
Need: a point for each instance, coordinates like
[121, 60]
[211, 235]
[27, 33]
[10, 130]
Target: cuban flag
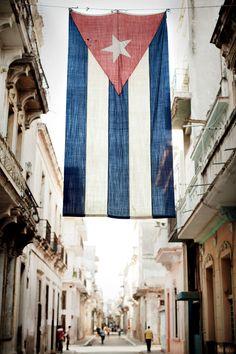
[118, 149]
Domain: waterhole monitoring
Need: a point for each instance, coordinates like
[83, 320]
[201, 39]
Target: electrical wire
[133, 9]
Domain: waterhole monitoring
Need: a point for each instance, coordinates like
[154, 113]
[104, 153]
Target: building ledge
[140, 292]
[181, 98]
[181, 109]
[212, 189]
[169, 256]
[216, 207]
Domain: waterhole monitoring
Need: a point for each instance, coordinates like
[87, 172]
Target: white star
[117, 48]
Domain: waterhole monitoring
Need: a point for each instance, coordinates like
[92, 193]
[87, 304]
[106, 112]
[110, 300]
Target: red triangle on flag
[118, 41]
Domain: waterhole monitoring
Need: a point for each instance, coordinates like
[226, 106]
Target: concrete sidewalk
[86, 341]
[116, 342]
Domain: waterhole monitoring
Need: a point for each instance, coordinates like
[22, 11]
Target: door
[195, 339]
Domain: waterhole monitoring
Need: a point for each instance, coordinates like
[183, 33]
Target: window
[42, 190]
[10, 127]
[19, 144]
[63, 300]
[46, 302]
[227, 298]
[210, 304]
[176, 330]
[39, 290]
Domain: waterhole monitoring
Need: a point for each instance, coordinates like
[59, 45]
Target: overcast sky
[114, 240]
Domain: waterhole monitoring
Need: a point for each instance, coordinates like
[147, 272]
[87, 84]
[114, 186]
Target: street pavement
[112, 344]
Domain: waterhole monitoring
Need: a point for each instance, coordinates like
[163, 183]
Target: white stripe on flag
[139, 140]
[97, 140]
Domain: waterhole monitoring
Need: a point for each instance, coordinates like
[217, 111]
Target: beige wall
[175, 340]
[218, 274]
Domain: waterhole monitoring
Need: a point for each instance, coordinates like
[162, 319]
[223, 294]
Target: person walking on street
[60, 338]
[148, 336]
[68, 338]
[102, 335]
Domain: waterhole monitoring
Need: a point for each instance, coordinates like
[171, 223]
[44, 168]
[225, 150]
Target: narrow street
[112, 344]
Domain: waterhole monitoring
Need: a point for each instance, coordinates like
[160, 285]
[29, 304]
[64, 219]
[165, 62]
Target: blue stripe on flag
[76, 108]
[162, 196]
[118, 154]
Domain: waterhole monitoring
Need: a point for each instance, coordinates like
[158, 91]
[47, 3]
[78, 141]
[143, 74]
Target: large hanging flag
[118, 150]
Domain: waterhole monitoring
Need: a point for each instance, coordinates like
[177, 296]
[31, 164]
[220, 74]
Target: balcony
[30, 23]
[11, 169]
[17, 202]
[44, 230]
[211, 134]
[54, 242]
[142, 291]
[181, 98]
[168, 256]
[200, 213]
[20, 25]
[51, 244]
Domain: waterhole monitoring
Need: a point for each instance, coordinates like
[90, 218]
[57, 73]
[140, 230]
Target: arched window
[210, 299]
[225, 258]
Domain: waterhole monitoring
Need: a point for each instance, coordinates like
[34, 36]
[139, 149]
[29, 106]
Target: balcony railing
[24, 11]
[44, 230]
[11, 168]
[54, 242]
[212, 132]
[202, 154]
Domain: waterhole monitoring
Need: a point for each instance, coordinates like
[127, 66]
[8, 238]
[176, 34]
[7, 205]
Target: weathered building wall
[39, 302]
[150, 281]
[218, 268]
[73, 280]
[174, 338]
[206, 204]
[81, 304]
[43, 263]
[22, 100]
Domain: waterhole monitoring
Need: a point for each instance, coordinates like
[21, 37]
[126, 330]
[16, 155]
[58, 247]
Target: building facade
[44, 261]
[203, 111]
[173, 329]
[94, 312]
[32, 256]
[81, 301]
[22, 100]
[75, 293]
[148, 291]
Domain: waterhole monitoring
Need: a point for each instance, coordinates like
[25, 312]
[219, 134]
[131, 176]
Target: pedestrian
[148, 336]
[102, 335]
[107, 331]
[60, 337]
[68, 338]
